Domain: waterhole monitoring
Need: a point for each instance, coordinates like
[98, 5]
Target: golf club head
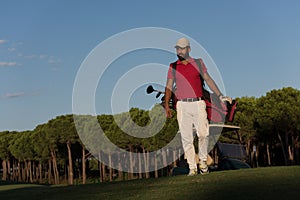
[149, 89]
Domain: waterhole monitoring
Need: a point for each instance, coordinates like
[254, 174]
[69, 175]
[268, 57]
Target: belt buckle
[191, 99]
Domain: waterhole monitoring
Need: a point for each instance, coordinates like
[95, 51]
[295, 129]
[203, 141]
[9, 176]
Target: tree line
[54, 153]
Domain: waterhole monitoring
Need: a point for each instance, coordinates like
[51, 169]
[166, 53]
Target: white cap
[182, 42]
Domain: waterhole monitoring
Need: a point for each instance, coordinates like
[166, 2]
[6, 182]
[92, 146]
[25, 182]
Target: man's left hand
[225, 98]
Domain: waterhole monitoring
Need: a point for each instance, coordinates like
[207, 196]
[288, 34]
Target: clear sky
[255, 45]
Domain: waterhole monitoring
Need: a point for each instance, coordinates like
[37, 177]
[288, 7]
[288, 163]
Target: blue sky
[255, 45]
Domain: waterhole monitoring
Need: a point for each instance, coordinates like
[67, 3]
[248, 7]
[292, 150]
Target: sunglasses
[180, 48]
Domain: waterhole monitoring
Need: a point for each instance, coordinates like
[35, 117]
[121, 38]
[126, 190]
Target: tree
[5, 154]
[50, 133]
[245, 118]
[67, 134]
[278, 121]
[42, 149]
[21, 147]
[86, 126]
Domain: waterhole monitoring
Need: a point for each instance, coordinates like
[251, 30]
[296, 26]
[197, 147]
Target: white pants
[189, 114]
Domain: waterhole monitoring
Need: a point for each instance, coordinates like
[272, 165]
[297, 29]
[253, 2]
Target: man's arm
[211, 84]
[168, 94]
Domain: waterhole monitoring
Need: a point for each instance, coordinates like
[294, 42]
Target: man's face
[182, 53]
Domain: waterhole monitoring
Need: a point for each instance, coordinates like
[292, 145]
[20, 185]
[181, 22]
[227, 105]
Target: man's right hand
[168, 94]
[168, 112]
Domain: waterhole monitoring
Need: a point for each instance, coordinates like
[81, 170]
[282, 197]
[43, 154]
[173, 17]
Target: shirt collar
[191, 60]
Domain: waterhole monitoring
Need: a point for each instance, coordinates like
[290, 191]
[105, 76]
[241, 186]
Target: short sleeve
[170, 72]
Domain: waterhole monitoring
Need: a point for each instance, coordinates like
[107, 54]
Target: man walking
[191, 108]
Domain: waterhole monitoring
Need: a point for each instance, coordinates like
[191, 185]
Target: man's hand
[168, 112]
[168, 94]
[225, 98]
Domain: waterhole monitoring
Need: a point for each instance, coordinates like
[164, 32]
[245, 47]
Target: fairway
[260, 183]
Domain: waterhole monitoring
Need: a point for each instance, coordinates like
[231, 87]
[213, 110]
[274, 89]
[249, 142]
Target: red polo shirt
[187, 79]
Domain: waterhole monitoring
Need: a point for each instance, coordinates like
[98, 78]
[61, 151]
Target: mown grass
[260, 183]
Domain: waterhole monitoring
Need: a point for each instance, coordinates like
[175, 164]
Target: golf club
[150, 89]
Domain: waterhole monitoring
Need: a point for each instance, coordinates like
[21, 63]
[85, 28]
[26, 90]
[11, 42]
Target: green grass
[261, 183]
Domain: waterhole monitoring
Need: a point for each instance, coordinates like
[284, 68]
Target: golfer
[191, 108]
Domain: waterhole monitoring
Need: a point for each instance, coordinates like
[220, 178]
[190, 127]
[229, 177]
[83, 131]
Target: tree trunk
[155, 166]
[140, 166]
[174, 159]
[71, 174]
[24, 172]
[19, 171]
[40, 172]
[248, 148]
[295, 150]
[103, 172]
[4, 175]
[8, 169]
[283, 149]
[120, 169]
[50, 171]
[292, 150]
[164, 158]
[34, 172]
[291, 153]
[287, 146]
[100, 168]
[83, 167]
[14, 172]
[239, 137]
[55, 170]
[66, 171]
[146, 163]
[30, 171]
[268, 155]
[130, 174]
[110, 168]
[256, 156]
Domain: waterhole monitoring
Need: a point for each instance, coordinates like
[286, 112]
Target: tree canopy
[272, 122]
